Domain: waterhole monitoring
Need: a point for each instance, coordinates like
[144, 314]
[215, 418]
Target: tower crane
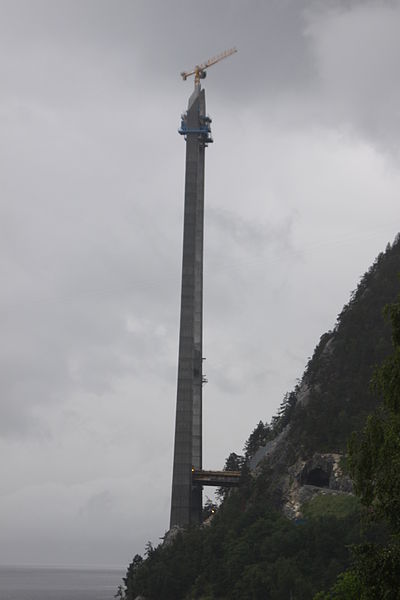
[199, 71]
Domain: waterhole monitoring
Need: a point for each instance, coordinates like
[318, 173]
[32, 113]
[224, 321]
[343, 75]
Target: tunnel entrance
[317, 477]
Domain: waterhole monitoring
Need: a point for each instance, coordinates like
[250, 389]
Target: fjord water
[45, 583]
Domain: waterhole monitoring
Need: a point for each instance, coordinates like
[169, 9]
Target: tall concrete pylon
[186, 501]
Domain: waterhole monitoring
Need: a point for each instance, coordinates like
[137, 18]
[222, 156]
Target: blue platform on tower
[203, 130]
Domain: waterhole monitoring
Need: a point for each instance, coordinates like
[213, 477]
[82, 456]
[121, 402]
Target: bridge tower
[186, 501]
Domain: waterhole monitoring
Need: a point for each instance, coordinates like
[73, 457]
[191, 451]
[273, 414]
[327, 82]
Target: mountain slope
[250, 548]
[334, 396]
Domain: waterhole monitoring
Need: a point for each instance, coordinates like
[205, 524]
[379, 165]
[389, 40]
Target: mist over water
[37, 583]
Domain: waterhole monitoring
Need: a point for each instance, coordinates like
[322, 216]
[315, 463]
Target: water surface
[43, 583]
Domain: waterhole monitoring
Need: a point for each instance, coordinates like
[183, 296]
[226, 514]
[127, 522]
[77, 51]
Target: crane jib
[199, 70]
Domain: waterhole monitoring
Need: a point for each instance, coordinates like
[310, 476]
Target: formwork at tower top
[188, 475]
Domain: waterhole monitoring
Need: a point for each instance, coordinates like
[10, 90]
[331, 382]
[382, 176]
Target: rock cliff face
[320, 475]
[297, 481]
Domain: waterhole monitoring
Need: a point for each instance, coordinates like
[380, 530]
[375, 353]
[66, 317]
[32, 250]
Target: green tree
[129, 579]
[374, 464]
[347, 587]
[234, 462]
[374, 457]
[120, 593]
[258, 437]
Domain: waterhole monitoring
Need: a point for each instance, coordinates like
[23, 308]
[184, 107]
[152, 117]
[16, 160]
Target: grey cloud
[98, 505]
[92, 179]
[273, 55]
[252, 237]
[358, 75]
[285, 48]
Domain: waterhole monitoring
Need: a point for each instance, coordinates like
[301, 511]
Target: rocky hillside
[305, 454]
[285, 532]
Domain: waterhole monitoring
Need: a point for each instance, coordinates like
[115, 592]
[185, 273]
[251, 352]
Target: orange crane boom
[199, 71]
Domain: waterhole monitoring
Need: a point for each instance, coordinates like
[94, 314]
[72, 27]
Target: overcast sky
[302, 193]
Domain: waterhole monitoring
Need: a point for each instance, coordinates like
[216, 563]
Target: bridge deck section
[216, 478]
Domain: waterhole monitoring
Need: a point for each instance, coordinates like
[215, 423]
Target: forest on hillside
[344, 546]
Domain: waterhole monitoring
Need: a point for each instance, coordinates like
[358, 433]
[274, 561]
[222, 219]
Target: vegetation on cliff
[374, 462]
[250, 550]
